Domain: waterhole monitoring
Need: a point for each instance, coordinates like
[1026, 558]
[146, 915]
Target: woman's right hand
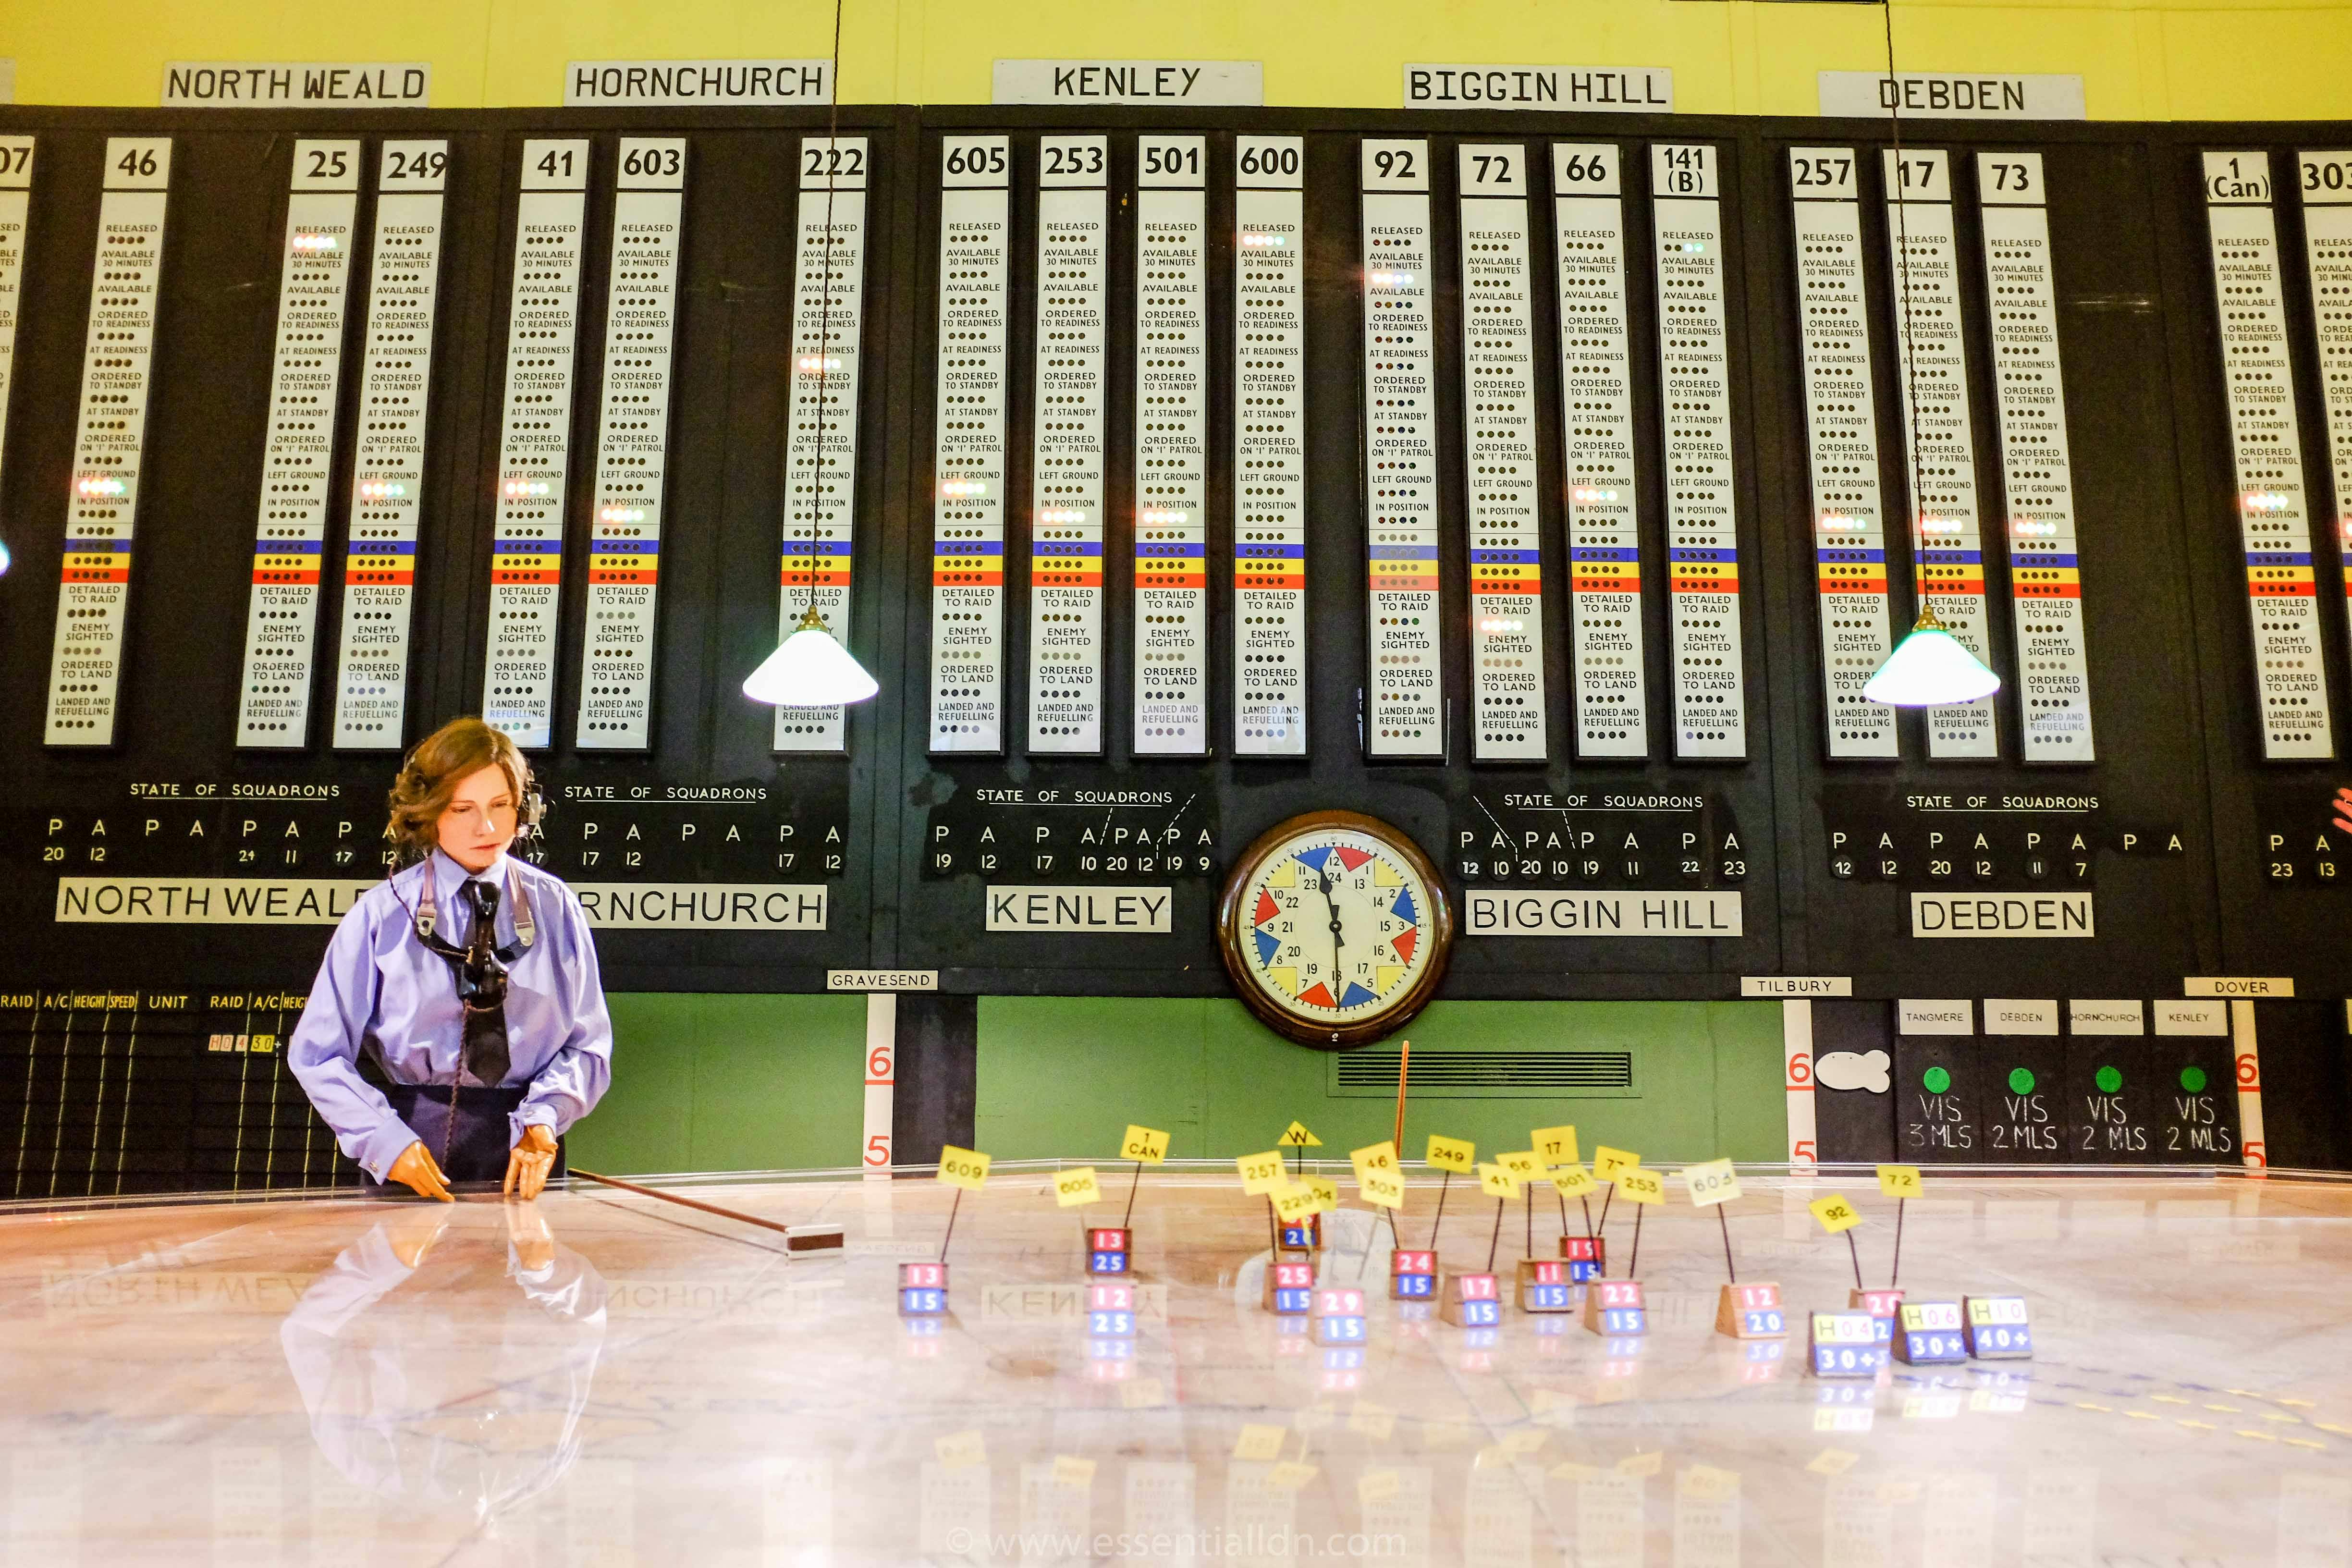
[415, 1168]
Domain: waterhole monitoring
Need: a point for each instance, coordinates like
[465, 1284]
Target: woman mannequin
[469, 981]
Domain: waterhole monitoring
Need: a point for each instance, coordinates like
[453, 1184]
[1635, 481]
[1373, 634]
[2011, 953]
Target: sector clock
[1335, 928]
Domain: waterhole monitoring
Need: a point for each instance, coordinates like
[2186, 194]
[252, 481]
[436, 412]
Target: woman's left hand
[528, 1166]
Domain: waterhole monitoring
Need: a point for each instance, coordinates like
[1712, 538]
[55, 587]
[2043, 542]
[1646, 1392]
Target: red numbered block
[1108, 1248]
[922, 1290]
[1751, 1312]
[1289, 1288]
[1614, 1308]
[1412, 1275]
[1472, 1301]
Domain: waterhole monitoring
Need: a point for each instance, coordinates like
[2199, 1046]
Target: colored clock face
[1336, 928]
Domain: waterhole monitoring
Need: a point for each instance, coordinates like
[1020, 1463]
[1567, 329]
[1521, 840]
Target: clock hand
[1331, 898]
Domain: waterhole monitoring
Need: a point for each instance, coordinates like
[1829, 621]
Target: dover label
[1065, 549]
[1406, 717]
[821, 443]
[535, 442]
[110, 441]
[16, 201]
[2045, 574]
[2267, 446]
[1931, 357]
[289, 536]
[1702, 516]
[625, 530]
[388, 463]
[1172, 448]
[2326, 181]
[967, 512]
[1604, 583]
[1842, 432]
[1499, 394]
[1269, 447]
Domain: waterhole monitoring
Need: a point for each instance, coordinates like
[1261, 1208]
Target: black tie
[485, 1055]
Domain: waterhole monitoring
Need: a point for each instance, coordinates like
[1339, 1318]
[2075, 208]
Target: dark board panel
[2174, 820]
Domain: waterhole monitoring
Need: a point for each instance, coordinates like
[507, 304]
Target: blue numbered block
[1544, 1286]
[1996, 1328]
[1882, 1305]
[1751, 1312]
[1338, 1331]
[922, 1303]
[1289, 1288]
[1120, 1323]
[1614, 1308]
[1928, 1334]
[1105, 1263]
[1107, 1248]
[1306, 1238]
[1844, 1344]
[1582, 1273]
[1472, 1301]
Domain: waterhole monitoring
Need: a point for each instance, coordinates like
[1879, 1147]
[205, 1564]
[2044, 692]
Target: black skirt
[477, 1145]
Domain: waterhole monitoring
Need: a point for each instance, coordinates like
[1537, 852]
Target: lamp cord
[1902, 273]
[825, 305]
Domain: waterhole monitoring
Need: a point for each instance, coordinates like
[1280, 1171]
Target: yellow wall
[2141, 60]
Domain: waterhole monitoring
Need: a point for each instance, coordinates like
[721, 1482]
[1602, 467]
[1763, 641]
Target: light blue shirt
[380, 988]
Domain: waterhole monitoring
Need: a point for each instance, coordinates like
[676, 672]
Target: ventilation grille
[1500, 1075]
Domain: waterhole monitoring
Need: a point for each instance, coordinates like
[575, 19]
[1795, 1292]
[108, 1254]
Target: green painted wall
[728, 1083]
[1062, 1075]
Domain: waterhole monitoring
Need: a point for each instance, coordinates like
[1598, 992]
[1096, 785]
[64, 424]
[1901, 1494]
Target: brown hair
[442, 761]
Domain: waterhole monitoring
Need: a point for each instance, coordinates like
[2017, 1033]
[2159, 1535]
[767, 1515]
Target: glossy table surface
[603, 1378]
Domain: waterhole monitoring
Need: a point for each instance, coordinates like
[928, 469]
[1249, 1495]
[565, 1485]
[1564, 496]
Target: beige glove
[416, 1168]
[528, 1166]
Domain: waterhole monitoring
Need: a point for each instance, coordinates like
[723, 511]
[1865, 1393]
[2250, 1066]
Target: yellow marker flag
[1573, 1181]
[1525, 1166]
[1261, 1173]
[1326, 1193]
[1899, 1182]
[1834, 1213]
[1294, 1204]
[1557, 1146]
[1384, 1189]
[1260, 1442]
[1712, 1181]
[1496, 1181]
[1379, 1156]
[1072, 1188]
[1296, 1136]
[1642, 1186]
[1456, 1154]
[963, 1168]
[1147, 1144]
[1608, 1161]
[1070, 1471]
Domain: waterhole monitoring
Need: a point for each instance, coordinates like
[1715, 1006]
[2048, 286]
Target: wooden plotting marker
[1928, 1334]
[1996, 1328]
[1842, 1344]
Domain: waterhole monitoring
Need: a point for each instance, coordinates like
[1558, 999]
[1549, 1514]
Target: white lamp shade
[1930, 669]
[808, 670]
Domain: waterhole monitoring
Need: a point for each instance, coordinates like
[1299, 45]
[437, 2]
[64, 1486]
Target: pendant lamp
[1930, 669]
[808, 670]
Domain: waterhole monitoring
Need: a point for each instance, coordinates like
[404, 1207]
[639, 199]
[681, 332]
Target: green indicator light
[2109, 1080]
[1936, 1079]
[2021, 1080]
[2192, 1078]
